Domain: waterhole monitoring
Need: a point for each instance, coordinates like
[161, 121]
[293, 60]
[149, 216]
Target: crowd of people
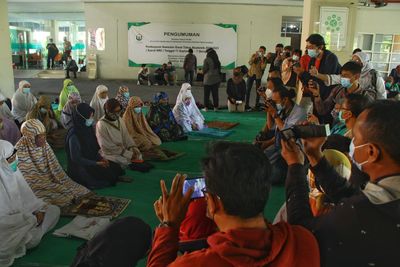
[342, 187]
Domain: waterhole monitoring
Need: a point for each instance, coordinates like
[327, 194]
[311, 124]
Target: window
[290, 26]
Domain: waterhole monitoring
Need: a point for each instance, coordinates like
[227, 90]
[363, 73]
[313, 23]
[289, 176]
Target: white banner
[333, 26]
[157, 43]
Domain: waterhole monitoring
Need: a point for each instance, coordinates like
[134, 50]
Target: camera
[305, 131]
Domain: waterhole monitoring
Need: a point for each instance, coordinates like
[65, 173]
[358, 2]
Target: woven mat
[96, 206]
[211, 132]
[223, 125]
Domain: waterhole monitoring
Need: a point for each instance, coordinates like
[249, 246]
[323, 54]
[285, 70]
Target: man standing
[190, 66]
[257, 64]
[52, 52]
[67, 47]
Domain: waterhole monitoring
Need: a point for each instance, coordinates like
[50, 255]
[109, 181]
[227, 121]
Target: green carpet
[145, 189]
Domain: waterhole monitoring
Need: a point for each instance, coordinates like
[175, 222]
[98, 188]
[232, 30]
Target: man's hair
[382, 126]
[283, 91]
[275, 71]
[238, 174]
[190, 50]
[357, 103]
[337, 142]
[353, 67]
[263, 47]
[111, 105]
[279, 45]
[298, 51]
[276, 81]
[316, 39]
[288, 47]
[356, 50]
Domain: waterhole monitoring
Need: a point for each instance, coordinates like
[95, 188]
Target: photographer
[363, 230]
[236, 91]
[283, 113]
[257, 63]
[236, 198]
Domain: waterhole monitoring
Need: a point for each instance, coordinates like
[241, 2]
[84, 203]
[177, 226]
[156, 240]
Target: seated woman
[162, 121]
[99, 98]
[43, 112]
[123, 97]
[85, 165]
[24, 219]
[236, 91]
[116, 145]
[9, 130]
[186, 113]
[41, 169]
[5, 111]
[66, 116]
[68, 88]
[22, 102]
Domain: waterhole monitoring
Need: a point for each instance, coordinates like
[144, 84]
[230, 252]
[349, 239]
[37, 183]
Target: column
[6, 71]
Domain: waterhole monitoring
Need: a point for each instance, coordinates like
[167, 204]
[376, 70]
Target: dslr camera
[305, 131]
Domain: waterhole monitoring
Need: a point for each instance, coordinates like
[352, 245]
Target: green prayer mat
[145, 189]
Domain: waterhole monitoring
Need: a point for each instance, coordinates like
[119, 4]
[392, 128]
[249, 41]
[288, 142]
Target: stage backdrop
[158, 43]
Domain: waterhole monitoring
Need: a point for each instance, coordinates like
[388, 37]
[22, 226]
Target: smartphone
[198, 183]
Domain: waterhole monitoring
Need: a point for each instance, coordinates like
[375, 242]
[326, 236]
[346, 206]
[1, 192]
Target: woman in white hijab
[22, 101]
[186, 113]
[24, 218]
[5, 111]
[100, 97]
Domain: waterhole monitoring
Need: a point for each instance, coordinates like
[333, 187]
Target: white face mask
[295, 58]
[351, 154]
[137, 110]
[268, 93]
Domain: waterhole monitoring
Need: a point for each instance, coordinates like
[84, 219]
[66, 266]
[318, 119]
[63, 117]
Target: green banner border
[230, 66]
[137, 24]
[227, 26]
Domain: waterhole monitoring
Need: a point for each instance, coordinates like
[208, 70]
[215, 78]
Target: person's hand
[39, 217]
[172, 207]
[314, 71]
[103, 163]
[311, 118]
[291, 152]
[271, 110]
[313, 149]
[313, 87]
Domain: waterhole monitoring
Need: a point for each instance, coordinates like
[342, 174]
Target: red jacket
[279, 245]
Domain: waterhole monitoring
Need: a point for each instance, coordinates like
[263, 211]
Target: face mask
[113, 116]
[126, 95]
[351, 154]
[340, 117]
[43, 110]
[268, 93]
[26, 90]
[345, 82]
[279, 107]
[259, 54]
[295, 58]
[14, 165]
[89, 122]
[137, 110]
[312, 53]
[388, 85]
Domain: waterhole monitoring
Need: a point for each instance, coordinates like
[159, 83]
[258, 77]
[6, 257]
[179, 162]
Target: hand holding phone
[198, 184]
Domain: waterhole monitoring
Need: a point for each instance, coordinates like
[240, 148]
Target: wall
[6, 72]
[257, 25]
[378, 20]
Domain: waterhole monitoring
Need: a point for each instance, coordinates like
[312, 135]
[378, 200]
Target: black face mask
[112, 116]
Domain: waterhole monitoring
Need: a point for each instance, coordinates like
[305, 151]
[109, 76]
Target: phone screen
[197, 183]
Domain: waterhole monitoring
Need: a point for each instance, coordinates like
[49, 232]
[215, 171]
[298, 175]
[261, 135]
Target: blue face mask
[89, 122]
[351, 154]
[340, 117]
[137, 110]
[126, 94]
[345, 82]
[312, 53]
[26, 90]
[43, 110]
[14, 165]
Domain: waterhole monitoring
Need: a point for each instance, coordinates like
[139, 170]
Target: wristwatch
[165, 224]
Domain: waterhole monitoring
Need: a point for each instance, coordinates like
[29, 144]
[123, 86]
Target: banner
[157, 43]
[333, 26]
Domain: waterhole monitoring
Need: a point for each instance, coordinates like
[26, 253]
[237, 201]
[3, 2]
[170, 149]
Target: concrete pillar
[311, 15]
[6, 71]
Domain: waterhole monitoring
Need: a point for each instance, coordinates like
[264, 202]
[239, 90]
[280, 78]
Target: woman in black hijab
[85, 164]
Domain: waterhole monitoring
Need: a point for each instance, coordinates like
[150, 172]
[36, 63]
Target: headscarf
[122, 99]
[63, 99]
[17, 204]
[186, 88]
[159, 96]
[41, 169]
[9, 130]
[367, 65]
[97, 103]
[5, 111]
[35, 113]
[86, 135]
[138, 127]
[66, 116]
[22, 103]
